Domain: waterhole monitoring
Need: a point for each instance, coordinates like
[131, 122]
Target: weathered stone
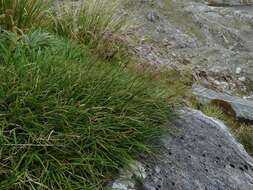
[250, 97]
[128, 177]
[152, 16]
[229, 2]
[238, 70]
[214, 39]
[242, 79]
[200, 154]
[240, 108]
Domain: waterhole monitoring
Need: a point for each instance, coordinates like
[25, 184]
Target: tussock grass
[23, 14]
[96, 23]
[66, 120]
[69, 120]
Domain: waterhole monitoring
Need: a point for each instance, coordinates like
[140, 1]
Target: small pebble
[242, 79]
[238, 70]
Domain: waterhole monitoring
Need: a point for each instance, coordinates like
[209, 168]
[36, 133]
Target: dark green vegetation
[69, 118]
[68, 121]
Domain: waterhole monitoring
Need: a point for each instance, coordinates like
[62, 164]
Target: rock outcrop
[200, 154]
[213, 39]
[240, 108]
[230, 2]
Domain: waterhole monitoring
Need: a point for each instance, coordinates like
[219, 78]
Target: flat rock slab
[200, 154]
[240, 108]
[230, 2]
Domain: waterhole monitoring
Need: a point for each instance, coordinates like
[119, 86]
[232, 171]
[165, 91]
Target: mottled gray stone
[240, 108]
[214, 39]
[152, 16]
[250, 97]
[230, 2]
[128, 176]
[200, 154]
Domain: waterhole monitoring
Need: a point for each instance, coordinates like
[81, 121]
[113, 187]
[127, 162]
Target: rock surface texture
[230, 2]
[200, 154]
[240, 108]
[213, 39]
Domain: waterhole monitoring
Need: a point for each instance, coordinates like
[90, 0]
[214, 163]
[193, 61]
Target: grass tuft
[96, 23]
[23, 15]
[69, 120]
[66, 120]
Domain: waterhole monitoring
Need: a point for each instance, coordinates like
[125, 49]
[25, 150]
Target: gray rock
[152, 16]
[242, 79]
[238, 70]
[240, 108]
[214, 39]
[229, 2]
[250, 97]
[200, 154]
[128, 176]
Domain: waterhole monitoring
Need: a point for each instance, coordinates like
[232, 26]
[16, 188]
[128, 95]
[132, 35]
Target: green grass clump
[96, 23]
[68, 121]
[22, 14]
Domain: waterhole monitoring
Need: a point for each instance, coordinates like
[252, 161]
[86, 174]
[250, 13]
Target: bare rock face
[229, 2]
[215, 39]
[240, 108]
[200, 154]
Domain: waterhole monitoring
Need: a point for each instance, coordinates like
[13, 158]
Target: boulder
[240, 108]
[199, 154]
